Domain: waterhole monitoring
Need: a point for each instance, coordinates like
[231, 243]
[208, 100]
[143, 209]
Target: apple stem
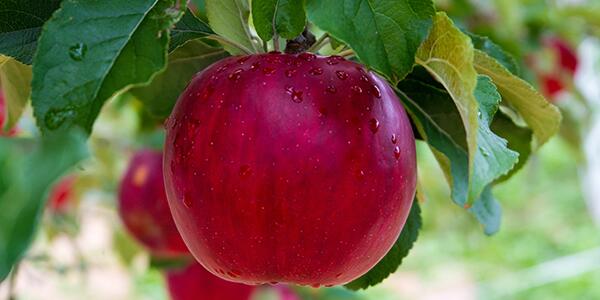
[346, 53]
[319, 43]
[228, 42]
[276, 42]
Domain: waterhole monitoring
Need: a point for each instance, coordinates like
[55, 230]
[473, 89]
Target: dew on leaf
[54, 118]
[77, 52]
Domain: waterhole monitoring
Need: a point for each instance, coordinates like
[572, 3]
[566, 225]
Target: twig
[319, 43]
[346, 53]
[276, 42]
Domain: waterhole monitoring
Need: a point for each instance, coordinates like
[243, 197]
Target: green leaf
[519, 140]
[288, 17]
[229, 19]
[188, 28]
[448, 55]
[384, 34]
[200, 8]
[392, 260]
[160, 95]
[488, 212]
[493, 158]
[541, 116]
[91, 50]
[437, 120]
[21, 25]
[165, 263]
[27, 169]
[16, 88]
[486, 45]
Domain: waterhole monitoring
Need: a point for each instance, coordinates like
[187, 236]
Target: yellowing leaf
[448, 55]
[543, 117]
[15, 78]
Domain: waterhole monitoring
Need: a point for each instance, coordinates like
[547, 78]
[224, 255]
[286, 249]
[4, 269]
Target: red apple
[289, 168]
[143, 206]
[12, 131]
[194, 282]
[567, 57]
[551, 85]
[61, 195]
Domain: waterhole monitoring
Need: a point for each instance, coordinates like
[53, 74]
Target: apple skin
[194, 282]
[567, 56]
[143, 206]
[61, 194]
[10, 132]
[289, 168]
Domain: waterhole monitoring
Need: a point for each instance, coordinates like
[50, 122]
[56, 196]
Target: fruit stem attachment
[346, 53]
[276, 42]
[228, 42]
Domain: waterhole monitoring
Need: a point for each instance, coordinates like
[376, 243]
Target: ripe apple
[61, 195]
[143, 206]
[555, 66]
[194, 282]
[3, 118]
[565, 54]
[289, 168]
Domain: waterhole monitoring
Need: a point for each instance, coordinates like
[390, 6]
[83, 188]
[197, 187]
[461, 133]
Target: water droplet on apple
[374, 125]
[356, 89]
[268, 70]
[235, 76]
[375, 91]
[341, 75]
[187, 200]
[331, 89]
[315, 71]
[245, 171]
[290, 73]
[334, 60]
[307, 56]
[397, 152]
[394, 139]
[242, 60]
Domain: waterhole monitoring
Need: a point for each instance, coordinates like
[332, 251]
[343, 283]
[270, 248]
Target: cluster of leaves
[462, 92]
